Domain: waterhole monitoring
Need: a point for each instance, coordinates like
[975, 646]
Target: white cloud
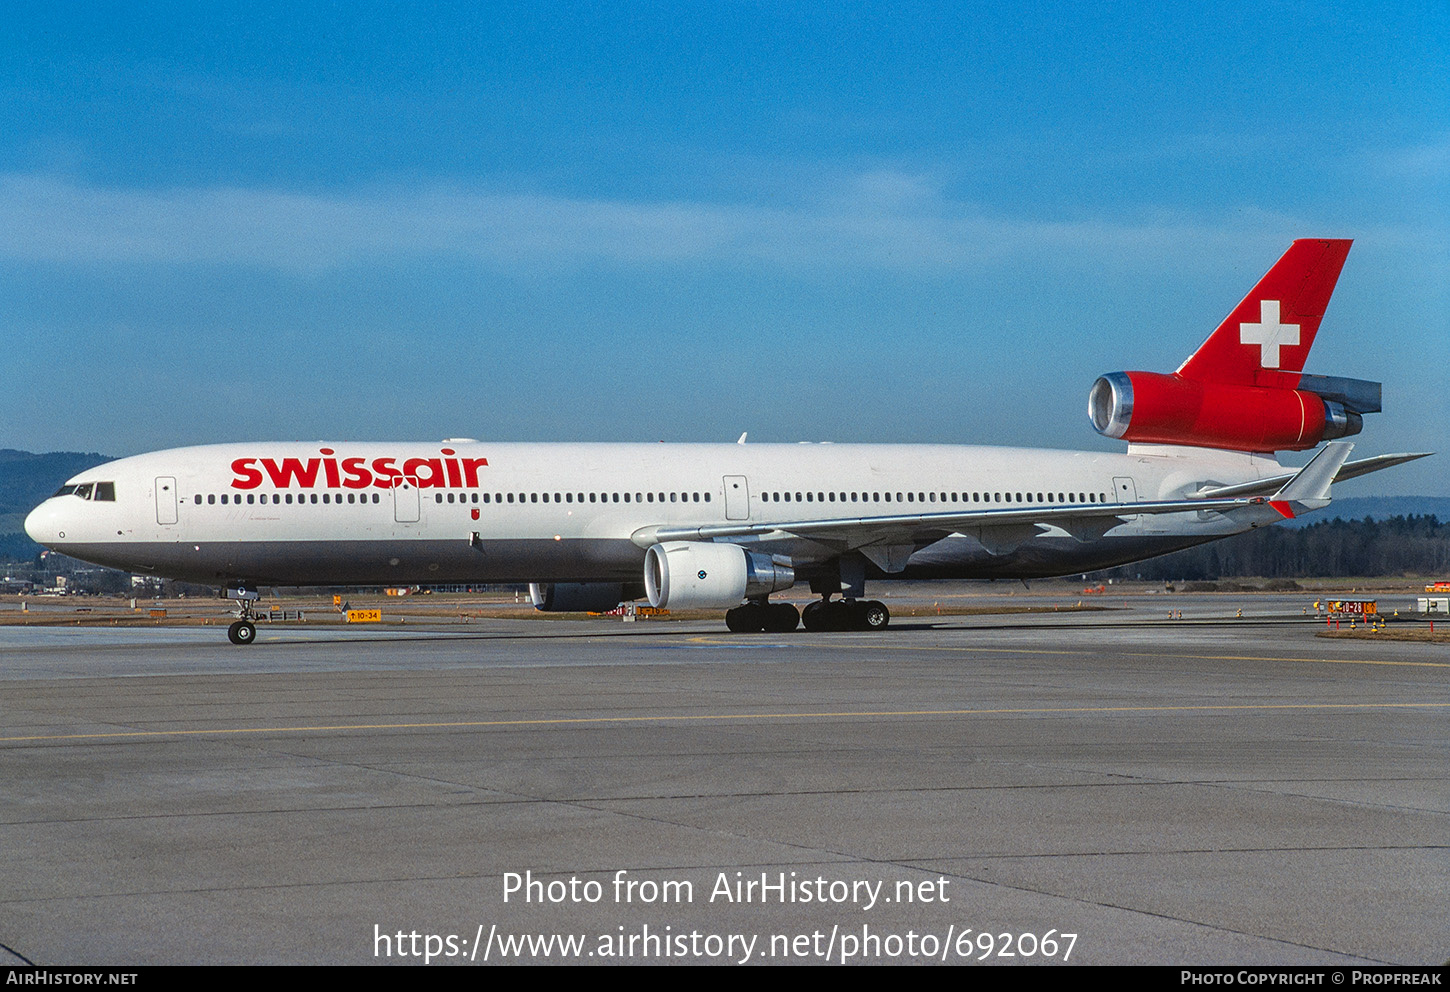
[874, 220]
[1429, 160]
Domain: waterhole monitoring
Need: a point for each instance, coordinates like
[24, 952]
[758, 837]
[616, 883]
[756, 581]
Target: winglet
[1309, 489]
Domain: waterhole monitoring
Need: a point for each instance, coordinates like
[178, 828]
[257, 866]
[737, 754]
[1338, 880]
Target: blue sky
[636, 222]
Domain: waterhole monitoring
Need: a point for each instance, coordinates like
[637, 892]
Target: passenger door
[166, 500]
[737, 498]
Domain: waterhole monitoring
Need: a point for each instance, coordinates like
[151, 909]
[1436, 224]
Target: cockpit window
[104, 491]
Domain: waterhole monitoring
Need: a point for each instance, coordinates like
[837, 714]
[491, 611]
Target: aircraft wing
[889, 540]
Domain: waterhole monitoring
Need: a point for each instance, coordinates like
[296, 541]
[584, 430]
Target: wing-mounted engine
[1150, 407]
[686, 574]
[581, 597]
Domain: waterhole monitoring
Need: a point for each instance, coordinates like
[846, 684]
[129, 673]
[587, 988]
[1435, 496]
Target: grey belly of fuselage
[386, 562]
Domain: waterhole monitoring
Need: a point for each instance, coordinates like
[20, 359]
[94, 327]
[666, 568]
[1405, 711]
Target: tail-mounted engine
[1153, 408]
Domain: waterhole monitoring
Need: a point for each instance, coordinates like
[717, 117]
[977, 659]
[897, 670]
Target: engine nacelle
[581, 597]
[1154, 408]
[686, 574]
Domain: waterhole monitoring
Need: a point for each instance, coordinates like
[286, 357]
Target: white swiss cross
[1268, 334]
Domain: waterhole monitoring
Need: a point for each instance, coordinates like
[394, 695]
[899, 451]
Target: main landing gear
[773, 618]
[826, 614]
[846, 614]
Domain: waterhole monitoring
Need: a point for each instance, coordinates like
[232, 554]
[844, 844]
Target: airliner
[725, 526]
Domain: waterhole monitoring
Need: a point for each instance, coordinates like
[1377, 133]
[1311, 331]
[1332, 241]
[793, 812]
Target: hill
[26, 479]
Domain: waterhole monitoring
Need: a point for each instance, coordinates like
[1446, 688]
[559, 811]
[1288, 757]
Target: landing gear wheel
[814, 616]
[242, 632]
[781, 618]
[747, 619]
[872, 615]
[827, 615]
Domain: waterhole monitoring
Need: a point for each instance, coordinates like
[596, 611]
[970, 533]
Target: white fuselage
[385, 513]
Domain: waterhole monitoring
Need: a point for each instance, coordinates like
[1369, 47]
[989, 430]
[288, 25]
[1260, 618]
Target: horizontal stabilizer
[1350, 470]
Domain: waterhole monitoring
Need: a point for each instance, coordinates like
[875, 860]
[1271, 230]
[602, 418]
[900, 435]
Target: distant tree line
[1411, 545]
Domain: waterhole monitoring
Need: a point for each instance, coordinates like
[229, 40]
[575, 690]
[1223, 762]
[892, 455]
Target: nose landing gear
[244, 631]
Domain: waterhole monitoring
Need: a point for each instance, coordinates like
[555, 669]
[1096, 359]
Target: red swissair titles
[357, 473]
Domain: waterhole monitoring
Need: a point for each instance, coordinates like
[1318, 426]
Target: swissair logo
[1269, 334]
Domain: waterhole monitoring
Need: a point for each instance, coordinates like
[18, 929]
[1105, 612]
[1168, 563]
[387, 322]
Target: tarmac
[1104, 788]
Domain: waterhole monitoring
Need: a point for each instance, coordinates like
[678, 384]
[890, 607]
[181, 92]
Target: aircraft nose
[43, 526]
